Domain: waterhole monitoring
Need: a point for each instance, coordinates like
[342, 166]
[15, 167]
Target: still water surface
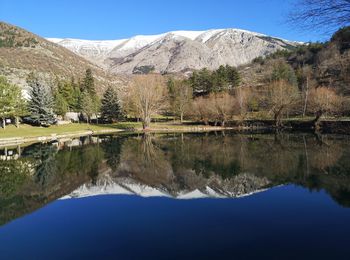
[177, 196]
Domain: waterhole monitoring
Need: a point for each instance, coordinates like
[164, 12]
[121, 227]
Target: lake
[217, 195]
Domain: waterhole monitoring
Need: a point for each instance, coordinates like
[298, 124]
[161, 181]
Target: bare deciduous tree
[217, 108]
[200, 110]
[307, 82]
[227, 105]
[323, 100]
[322, 15]
[222, 107]
[180, 94]
[281, 97]
[148, 94]
[243, 96]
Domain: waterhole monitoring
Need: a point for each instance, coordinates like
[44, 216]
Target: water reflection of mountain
[174, 165]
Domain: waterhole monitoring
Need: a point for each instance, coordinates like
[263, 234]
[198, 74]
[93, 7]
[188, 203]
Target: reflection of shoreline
[179, 166]
[11, 141]
[14, 152]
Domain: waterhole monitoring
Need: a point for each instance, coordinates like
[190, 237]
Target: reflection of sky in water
[286, 222]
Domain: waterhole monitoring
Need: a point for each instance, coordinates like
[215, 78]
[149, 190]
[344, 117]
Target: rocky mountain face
[22, 52]
[177, 51]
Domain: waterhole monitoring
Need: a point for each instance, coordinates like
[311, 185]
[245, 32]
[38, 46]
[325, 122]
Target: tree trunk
[17, 122]
[317, 120]
[277, 120]
[277, 117]
[306, 96]
[306, 157]
[19, 150]
[181, 117]
[223, 123]
[146, 122]
[3, 123]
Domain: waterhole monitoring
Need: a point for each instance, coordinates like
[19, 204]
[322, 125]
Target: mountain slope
[177, 51]
[22, 52]
[323, 64]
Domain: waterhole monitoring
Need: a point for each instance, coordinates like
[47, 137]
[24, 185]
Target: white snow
[97, 47]
[139, 41]
[54, 40]
[205, 36]
[188, 34]
[196, 194]
[85, 191]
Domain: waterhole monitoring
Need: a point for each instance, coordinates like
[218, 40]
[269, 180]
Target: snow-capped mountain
[240, 186]
[177, 51]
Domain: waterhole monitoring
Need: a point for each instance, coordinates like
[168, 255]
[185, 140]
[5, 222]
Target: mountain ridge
[22, 52]
[177, 51]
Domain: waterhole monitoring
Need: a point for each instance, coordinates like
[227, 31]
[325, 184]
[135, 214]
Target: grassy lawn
[31, 131]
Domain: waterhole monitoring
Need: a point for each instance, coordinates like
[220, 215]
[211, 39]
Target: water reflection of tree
[43, 156]
[143, 160]
[53, 165]
[13, 174]
[206, 155]
[43, 174]
[282, 158]
[323, 156]
[112, 146]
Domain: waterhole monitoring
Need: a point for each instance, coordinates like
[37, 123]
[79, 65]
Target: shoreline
[76, 130]
[18, 140]
[52, 137]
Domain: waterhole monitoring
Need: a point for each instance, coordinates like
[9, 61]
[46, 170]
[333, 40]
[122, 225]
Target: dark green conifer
[110, 109]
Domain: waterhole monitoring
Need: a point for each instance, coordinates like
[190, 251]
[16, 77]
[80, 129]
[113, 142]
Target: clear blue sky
[108, 19]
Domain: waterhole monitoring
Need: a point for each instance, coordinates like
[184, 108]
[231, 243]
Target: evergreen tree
[201, 82]
[76, 95]
[67, 97]
[89, 101]
[283, 71]
[89, 82]
[65, 90]
[233, 76]
[205, 82]
[41, 104]
[110, 108]
[61, 105]
[220, 79]
[87, 105]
